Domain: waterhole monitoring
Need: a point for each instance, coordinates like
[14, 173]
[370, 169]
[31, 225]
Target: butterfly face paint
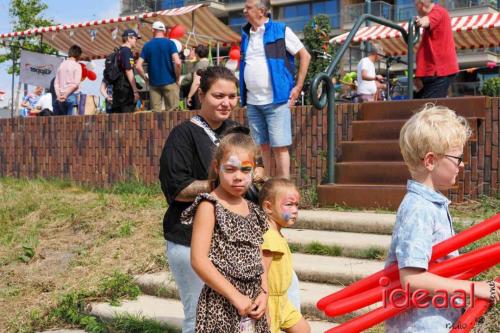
[234, 164]
[289, 205]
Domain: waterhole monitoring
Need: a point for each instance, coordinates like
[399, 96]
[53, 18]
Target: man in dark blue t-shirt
[125, 92]
[164, 67]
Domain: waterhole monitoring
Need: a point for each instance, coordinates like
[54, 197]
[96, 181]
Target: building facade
[343, 14]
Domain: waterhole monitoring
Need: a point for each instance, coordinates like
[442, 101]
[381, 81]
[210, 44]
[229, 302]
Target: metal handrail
[328, 95]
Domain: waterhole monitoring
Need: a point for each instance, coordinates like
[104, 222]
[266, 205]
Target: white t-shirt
[45, 102]
[257, 78]
[366, 87]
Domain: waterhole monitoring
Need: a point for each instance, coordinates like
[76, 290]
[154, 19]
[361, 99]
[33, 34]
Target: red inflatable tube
[469, 319]
[465, 237]
[447, 268]
[381, 314]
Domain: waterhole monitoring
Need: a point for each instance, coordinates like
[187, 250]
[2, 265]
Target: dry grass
[71, 239]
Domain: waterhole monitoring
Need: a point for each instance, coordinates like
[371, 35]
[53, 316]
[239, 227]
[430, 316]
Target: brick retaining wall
[103, 149]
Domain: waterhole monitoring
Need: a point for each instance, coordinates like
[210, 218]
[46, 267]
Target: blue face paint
[286, 216]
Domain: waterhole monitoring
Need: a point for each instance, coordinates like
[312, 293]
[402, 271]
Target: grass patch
[59, 238]
[137, 324]
[476, 210]
[119, 286]
[317, 249]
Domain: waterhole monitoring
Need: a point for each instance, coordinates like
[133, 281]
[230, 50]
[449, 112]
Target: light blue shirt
[422, 221]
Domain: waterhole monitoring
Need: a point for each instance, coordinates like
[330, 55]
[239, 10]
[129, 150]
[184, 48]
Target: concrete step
[464, 106]
[390, 173]
[349, 244]
[362, 196]
[360, 222]
[333, 270]
[162, 285]
[311, 293]
[165, 311]
[372, 150]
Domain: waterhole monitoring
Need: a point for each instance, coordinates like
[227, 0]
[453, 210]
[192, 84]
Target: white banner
[38, 69]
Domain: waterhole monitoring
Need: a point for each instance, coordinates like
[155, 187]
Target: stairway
[360, 238]
[369, 170]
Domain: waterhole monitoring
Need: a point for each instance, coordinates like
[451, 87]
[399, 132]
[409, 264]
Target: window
[168, 4]
[296, 16]
[330, 8]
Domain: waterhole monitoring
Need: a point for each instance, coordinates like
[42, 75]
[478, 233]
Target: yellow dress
[282, 312]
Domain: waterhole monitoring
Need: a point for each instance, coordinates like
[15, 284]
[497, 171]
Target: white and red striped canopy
[96, 37]
[470, 32]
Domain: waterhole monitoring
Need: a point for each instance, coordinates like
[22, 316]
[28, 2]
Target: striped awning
[470, 32]
[98, 38]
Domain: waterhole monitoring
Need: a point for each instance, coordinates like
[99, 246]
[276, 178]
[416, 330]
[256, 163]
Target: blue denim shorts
[270, 124]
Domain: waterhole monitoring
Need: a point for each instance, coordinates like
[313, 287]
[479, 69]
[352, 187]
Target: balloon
[177, 44]
[381, 314]
[84, 71]
[465, 237]
[91, 75]
[234, 53]
[456, 265]
[176, 32]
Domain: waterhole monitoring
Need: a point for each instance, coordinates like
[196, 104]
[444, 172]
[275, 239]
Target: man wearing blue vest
[164, 68]
[267, 85]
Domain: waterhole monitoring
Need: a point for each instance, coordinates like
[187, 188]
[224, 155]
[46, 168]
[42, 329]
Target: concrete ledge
[349, 244]
[346, 221]
[333, 270]
[166, 311]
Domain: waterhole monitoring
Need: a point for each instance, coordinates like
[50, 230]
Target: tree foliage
[316, 39]
[26, 14]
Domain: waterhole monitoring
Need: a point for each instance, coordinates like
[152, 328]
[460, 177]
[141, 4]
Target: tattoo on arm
[190, 192]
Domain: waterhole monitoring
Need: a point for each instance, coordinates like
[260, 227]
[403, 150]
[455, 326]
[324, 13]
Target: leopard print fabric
[235, 252]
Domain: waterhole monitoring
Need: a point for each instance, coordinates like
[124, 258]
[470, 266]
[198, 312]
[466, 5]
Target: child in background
[432, 143]
[225, 247]
[279, 199]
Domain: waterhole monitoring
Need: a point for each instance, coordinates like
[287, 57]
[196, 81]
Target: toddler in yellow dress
[279, 199]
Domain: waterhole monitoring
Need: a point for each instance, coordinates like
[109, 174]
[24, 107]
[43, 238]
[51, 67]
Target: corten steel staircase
[370, 171]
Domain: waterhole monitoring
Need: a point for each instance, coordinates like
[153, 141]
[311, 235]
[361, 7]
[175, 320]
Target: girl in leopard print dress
[225, 246]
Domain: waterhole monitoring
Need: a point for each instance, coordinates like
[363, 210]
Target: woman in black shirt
[184, 166]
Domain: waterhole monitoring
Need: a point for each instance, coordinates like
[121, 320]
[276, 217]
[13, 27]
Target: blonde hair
[434, 129]
[272, 187]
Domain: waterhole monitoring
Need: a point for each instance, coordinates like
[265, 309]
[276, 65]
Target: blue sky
[61, 11]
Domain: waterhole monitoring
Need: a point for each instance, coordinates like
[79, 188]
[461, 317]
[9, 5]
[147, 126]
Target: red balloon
[234, 53]
[91, 75]
[177, 32]
[382, 313]
[465, 237]
[457, 265]
[84, 71]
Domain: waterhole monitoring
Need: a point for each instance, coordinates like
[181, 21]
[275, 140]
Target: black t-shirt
[186, 157]
[126, 58]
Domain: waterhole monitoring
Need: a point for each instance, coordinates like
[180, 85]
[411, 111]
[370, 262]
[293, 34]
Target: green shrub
[491, 87]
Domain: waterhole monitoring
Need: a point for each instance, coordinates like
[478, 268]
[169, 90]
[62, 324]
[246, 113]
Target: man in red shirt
[436, 56]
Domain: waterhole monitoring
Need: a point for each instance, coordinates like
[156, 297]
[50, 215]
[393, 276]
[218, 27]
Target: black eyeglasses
[459, 159]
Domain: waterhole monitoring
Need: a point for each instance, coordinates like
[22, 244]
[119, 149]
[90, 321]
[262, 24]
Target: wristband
[492, 285]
